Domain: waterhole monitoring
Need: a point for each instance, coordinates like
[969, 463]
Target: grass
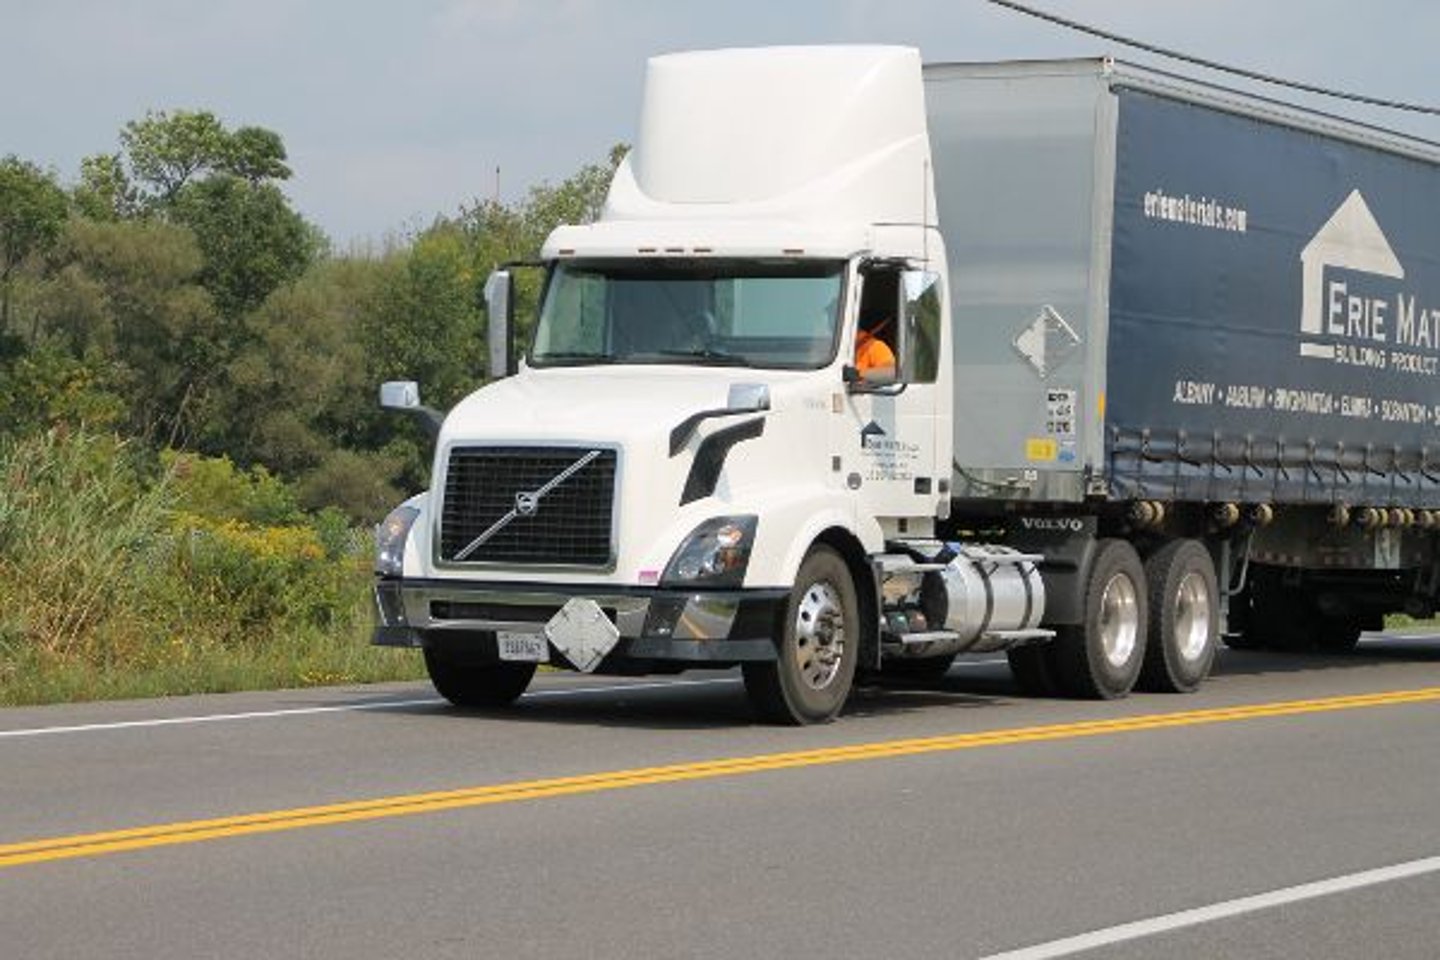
[1399, 621]
[124, 575]
[316, 659]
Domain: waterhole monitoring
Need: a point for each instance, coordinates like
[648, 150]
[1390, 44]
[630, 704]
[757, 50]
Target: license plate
[530, 647]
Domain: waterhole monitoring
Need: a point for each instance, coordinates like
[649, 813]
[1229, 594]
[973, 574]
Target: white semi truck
[1165, 353]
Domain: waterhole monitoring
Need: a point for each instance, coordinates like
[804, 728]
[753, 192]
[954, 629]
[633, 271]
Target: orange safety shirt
[872, 353]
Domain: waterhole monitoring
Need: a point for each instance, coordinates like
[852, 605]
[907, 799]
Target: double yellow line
[195, 831]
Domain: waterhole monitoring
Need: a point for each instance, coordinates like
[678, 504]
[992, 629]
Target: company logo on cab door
[1350, 312]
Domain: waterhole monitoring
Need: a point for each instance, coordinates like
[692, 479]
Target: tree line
[171, 294]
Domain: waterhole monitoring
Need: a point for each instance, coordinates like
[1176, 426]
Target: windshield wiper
[717, 357]
[562, 357]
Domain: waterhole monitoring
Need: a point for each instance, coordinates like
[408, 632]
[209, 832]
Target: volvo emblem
[526, 503]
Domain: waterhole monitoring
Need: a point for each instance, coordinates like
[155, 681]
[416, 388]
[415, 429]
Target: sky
[397, 112]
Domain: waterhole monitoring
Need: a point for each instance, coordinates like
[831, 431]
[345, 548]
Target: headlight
[390, 537]
[714, 555]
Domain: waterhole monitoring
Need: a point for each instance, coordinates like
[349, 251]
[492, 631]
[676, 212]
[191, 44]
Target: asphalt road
[957, 819]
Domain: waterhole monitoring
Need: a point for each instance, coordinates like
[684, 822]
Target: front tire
[1100, 658]
[814, 669]
[1184, 618]
[477, 684]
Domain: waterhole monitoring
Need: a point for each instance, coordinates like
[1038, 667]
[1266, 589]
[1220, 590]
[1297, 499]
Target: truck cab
[687, 466]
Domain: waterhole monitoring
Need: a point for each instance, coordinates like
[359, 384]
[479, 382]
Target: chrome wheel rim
[1119, 620]
[819, 635]
[1192, 616]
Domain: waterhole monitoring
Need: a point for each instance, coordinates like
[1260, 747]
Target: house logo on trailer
[1342, 319]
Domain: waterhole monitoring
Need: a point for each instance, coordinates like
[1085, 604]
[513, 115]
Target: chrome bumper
[653, 623]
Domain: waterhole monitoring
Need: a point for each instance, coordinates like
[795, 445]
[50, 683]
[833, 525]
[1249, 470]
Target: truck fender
[864, 529]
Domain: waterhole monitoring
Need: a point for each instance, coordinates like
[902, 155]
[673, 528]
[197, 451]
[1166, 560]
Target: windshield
[720, 312]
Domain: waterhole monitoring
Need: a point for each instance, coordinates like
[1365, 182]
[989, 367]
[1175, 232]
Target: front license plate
[530, 647]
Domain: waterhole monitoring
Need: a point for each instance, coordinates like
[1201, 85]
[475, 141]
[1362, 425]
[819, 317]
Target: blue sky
[394, 112]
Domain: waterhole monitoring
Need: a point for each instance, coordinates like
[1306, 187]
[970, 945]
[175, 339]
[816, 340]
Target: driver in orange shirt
[873, 356]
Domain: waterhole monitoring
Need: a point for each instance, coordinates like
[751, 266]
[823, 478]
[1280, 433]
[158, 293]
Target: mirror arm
[856, 383]
[430, 420]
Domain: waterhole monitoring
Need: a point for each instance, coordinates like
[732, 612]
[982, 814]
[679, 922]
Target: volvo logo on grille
[527, 502]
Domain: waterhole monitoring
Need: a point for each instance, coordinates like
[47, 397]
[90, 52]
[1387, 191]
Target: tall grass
[121, 575]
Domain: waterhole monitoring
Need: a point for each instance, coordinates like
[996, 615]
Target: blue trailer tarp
[1274, 316]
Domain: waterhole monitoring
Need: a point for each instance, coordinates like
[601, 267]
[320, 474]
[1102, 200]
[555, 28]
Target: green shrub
[47, 388]
[120, 578]
[214, 488]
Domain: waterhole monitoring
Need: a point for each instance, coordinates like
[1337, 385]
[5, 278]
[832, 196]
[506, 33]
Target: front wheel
[477, 684]
[814, 668]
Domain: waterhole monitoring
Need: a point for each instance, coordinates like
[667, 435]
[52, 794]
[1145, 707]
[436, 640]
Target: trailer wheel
[814, 668]
[1100, 658]
[1184, 618]
[1030, 666]
[477, 684]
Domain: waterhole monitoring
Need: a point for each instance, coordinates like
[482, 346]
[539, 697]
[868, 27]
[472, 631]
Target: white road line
[338, 708]
[384, 705]
[1219, 911]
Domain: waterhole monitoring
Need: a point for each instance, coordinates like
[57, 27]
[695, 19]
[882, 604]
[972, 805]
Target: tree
[500, 233]
[166, 150]
[425, 322]
[32, 212]
[256, 154]
[105, 191]
[251, 239]
[297, 388]
[127, 291]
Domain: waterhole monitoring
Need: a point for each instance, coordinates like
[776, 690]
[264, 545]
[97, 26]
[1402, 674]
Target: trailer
[1231, 337]
[1164, 361]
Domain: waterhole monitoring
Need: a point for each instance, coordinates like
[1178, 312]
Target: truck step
[926, 636]
[891, 563]
[979, 556]
[1019, 636]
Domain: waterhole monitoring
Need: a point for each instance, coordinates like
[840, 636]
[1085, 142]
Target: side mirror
[404, 396]
[499, 296]
[399, 395]
[922, 327]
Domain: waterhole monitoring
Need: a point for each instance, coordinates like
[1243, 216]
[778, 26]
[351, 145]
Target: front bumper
[655, 624]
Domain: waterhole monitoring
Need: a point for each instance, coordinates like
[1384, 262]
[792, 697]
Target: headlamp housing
[390, 537]
[715, 554]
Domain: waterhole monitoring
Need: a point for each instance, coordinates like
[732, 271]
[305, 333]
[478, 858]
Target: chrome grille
[570, 524]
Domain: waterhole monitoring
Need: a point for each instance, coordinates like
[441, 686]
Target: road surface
[1288, 809]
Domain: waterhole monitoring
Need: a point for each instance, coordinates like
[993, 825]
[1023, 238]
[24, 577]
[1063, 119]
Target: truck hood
[634, 409]
[605, 404]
